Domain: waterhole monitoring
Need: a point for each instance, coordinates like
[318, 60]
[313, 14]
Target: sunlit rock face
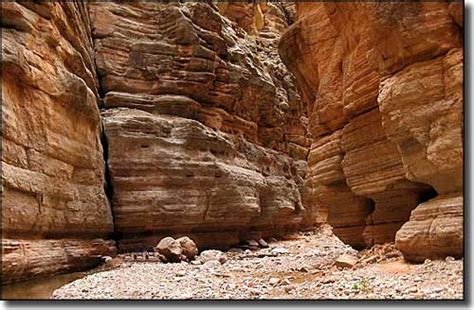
[206, 133]
[383, 82]
[55, 215]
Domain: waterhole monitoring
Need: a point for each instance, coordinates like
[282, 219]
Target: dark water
[38, 289]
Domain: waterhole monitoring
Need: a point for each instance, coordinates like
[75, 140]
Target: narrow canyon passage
[231, 123]
[307, 265]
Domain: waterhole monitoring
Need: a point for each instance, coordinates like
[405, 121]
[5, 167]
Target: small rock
[210, 265]
[274, 281]
[181, 273]
[417, 295]
[289, 288]
[412, 290]
[262, 243]
[210, 255]
[252, 243]
[328, 280]
[256, 292]
[278, 251]
[346, 261]
[370, 259]
[437, 290]
[286, 282]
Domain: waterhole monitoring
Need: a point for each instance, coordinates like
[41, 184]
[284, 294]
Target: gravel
[301, 267]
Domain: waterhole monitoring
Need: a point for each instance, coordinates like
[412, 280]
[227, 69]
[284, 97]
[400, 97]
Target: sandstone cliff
[383, 82]
[205, 131]
[185, 113]
[55, 215]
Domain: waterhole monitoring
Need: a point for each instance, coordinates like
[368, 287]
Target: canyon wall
[383, 83]
[55, 215]
[205, 131]
[184, 114]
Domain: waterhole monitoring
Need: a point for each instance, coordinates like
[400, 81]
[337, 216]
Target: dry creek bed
[300, 267]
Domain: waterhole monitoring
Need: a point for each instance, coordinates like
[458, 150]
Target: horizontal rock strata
[206, 133]
[175, 175]
[422, 108]
[383, 82]
[55, 214]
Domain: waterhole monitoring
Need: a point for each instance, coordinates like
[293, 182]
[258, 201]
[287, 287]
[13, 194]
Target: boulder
[170, 249]
[189, 248]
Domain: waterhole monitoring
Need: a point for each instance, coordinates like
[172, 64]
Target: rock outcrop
[383, 82]
[205, 130]
[207, 134]
[55, 215]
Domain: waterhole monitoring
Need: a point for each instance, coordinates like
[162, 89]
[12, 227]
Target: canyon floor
[301, 266]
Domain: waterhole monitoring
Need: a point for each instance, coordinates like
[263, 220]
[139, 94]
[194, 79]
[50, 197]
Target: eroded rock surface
[206, 133]
[55, 215]
[383, 82]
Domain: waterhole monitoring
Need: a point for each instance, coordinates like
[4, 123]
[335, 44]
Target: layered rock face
[206, 134]
[55, 215]
[384, 86]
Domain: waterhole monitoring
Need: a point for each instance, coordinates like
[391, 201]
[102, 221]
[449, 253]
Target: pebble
[412, 290]
[181, 273]
[263, 243]
[274, 281]
[278, 251]
[258, 275]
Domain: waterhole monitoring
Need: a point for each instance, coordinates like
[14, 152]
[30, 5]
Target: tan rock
[171, 249]
[346, 261]
[212, 255]
[435, 230]
[385, 112]
[422, 109]
[188, 247]
[199, 180]
[213, 128]
[55, 215]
